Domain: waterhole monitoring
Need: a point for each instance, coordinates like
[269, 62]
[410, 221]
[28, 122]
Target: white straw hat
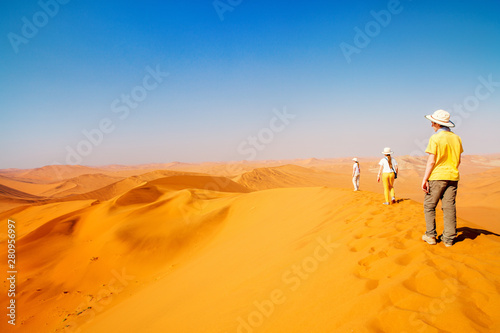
[387, 151]
[441, 117]
[355, 159]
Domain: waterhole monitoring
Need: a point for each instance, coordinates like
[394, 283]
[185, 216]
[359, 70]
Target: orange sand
[273, 246]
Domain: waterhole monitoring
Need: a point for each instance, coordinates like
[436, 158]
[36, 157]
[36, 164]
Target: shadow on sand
[471, 233]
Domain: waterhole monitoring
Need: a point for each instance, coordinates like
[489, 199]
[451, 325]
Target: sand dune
[94, 186]
[8, 192]
[35, 216]
[10, 198]
[479, 197]
[106, 192]
[52, 173]
[28, 186]
[289, 176]
[124, 185]
[81, 184]
[277, 248]
[319, 267]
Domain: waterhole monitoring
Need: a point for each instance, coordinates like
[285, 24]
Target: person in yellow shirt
[441, 177]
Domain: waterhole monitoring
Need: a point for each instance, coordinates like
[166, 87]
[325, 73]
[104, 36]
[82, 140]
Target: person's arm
[431, 161]
[379, 173]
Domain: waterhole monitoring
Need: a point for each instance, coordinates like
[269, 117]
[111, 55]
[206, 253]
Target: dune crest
[275, 247]
[288, 176]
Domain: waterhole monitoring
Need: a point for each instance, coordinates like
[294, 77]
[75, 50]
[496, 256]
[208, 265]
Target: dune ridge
[11, 193]
[278, 248]
[286, 176]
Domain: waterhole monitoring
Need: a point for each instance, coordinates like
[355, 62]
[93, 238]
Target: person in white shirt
[388, 170]
[356, 171]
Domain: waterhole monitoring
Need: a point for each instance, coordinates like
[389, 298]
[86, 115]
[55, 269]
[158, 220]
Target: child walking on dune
[356, 172]
[388, 170]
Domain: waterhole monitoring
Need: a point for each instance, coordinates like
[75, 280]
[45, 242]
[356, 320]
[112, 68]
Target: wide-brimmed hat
[355, 159]
[441, 117]
[387, 151]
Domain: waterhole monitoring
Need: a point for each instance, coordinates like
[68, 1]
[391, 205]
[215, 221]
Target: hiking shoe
[393, 201]
[386, 203]
[429, 240]
[448, 244]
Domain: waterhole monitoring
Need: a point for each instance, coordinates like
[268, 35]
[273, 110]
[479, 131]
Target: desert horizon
[188, 166]
[272, 246]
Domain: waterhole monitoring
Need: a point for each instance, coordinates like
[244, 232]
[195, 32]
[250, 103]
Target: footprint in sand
[371, 284]
[358, 236]
[403, 260]
[367, 261]
[413, 233]
[359, 244]
[397, 244]
[367, 222]
[388, 234]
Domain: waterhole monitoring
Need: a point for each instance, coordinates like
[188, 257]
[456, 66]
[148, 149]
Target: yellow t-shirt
[447, 146]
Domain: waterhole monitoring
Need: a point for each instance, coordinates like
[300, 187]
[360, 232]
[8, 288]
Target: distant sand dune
[52, 173]
[81, 184]
[8, 192]
[289, 176]
[28, 186]
[10, 198]
[274, 248]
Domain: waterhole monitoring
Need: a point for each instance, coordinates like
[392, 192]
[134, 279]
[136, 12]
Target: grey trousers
[446, 191]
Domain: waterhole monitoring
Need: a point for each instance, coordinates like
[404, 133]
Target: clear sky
[130, 82]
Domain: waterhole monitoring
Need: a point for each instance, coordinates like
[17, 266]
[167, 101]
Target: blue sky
[229, 79]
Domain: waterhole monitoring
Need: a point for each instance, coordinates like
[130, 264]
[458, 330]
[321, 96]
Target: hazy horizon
[153, 82]
[348, 158]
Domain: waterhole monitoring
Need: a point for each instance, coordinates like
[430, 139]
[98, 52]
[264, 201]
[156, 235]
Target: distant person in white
[356, 171]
